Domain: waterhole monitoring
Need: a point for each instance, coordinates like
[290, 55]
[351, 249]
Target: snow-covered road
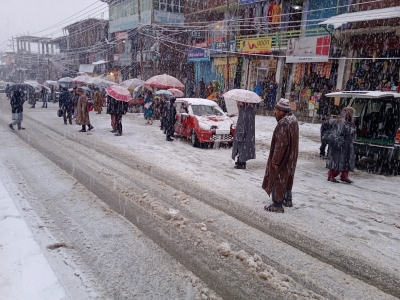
[191, 201]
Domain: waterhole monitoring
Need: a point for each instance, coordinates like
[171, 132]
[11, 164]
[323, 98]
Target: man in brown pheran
[281, 165]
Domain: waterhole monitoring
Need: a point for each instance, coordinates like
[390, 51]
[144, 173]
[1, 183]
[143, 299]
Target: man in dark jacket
[120, 109]
[44, 97]
[326, 126]
[7, 91]
[17, 108]
[282, 159]
[66, 105]
[244, 140]
[170, 119]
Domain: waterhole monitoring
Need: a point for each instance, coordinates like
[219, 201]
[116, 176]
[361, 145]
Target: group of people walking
[278, 180]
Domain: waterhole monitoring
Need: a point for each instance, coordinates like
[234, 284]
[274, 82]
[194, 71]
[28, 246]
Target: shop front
[224, 65]
[312, 73]
[378, 65]
[256, 69]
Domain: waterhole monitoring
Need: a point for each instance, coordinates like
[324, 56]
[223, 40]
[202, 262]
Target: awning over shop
[368, 15]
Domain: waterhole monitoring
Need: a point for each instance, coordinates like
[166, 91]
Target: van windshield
[206, 110]
[377, 120]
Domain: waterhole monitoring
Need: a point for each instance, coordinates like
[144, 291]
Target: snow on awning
[368, 15]
[99, 62]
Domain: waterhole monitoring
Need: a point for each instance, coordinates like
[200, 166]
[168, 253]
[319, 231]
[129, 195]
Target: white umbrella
[65, 80]
[132, 83]
[52, 82]
[105, 83]
[242, 96]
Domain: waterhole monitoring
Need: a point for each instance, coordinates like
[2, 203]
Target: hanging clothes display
[276, 14]
[270, 11]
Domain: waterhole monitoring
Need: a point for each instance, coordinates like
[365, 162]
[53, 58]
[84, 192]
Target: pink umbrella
[119, 93]
[177, 93]
[164, 82]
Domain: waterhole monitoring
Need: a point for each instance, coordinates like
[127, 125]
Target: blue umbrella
[164, 92]
[86, 88]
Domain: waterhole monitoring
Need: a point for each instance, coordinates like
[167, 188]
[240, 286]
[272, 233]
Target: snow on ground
[362, 218]
[25, 272]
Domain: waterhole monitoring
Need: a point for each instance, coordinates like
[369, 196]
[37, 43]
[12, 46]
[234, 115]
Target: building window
[174, 6]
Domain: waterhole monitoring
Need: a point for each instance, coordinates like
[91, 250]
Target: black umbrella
[22, 87]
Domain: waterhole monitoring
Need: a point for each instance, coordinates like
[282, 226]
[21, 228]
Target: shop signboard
[222, 47]
[198, 55]
[308, 49]
[260, 45]
[121, 36]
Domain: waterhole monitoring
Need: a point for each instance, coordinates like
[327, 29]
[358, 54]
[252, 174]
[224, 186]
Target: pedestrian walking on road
[98, 101]
[341, 157]
[282, 159]
[66, 105]
[82, 116]
[148, 105]
[31, 98]
[17, 109]
[7, 91]
[170, 119]
[110, 110]
[244, 140]
[44, 97]
[117, 109]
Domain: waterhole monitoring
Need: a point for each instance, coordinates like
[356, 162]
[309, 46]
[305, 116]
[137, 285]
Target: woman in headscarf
[148, 105]
[341, 157]
[82, 116]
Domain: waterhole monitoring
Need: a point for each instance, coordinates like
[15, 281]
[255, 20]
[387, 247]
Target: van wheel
[195, 141]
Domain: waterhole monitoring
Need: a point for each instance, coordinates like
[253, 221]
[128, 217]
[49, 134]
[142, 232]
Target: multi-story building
[136, 27]
[84, 43]
[369, 39]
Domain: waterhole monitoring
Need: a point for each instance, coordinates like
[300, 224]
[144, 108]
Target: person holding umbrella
[17, 108]
[170, 119]
[116, 109]
[82, 117]
[244, 140]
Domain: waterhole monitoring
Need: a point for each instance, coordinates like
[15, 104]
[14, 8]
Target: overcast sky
[18, 17]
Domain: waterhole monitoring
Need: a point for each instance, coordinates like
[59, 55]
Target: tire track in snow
[322, 252]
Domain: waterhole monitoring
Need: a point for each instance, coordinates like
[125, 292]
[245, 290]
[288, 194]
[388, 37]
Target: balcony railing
[280, 38]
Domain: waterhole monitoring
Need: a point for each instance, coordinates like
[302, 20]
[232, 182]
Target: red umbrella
[164, 82]
[177, 93]
[119, 93]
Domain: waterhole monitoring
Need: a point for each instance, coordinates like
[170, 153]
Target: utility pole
[227, 46]
[140, 40]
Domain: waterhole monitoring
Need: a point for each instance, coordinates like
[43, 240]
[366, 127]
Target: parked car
[203, 121]
[377, 120]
